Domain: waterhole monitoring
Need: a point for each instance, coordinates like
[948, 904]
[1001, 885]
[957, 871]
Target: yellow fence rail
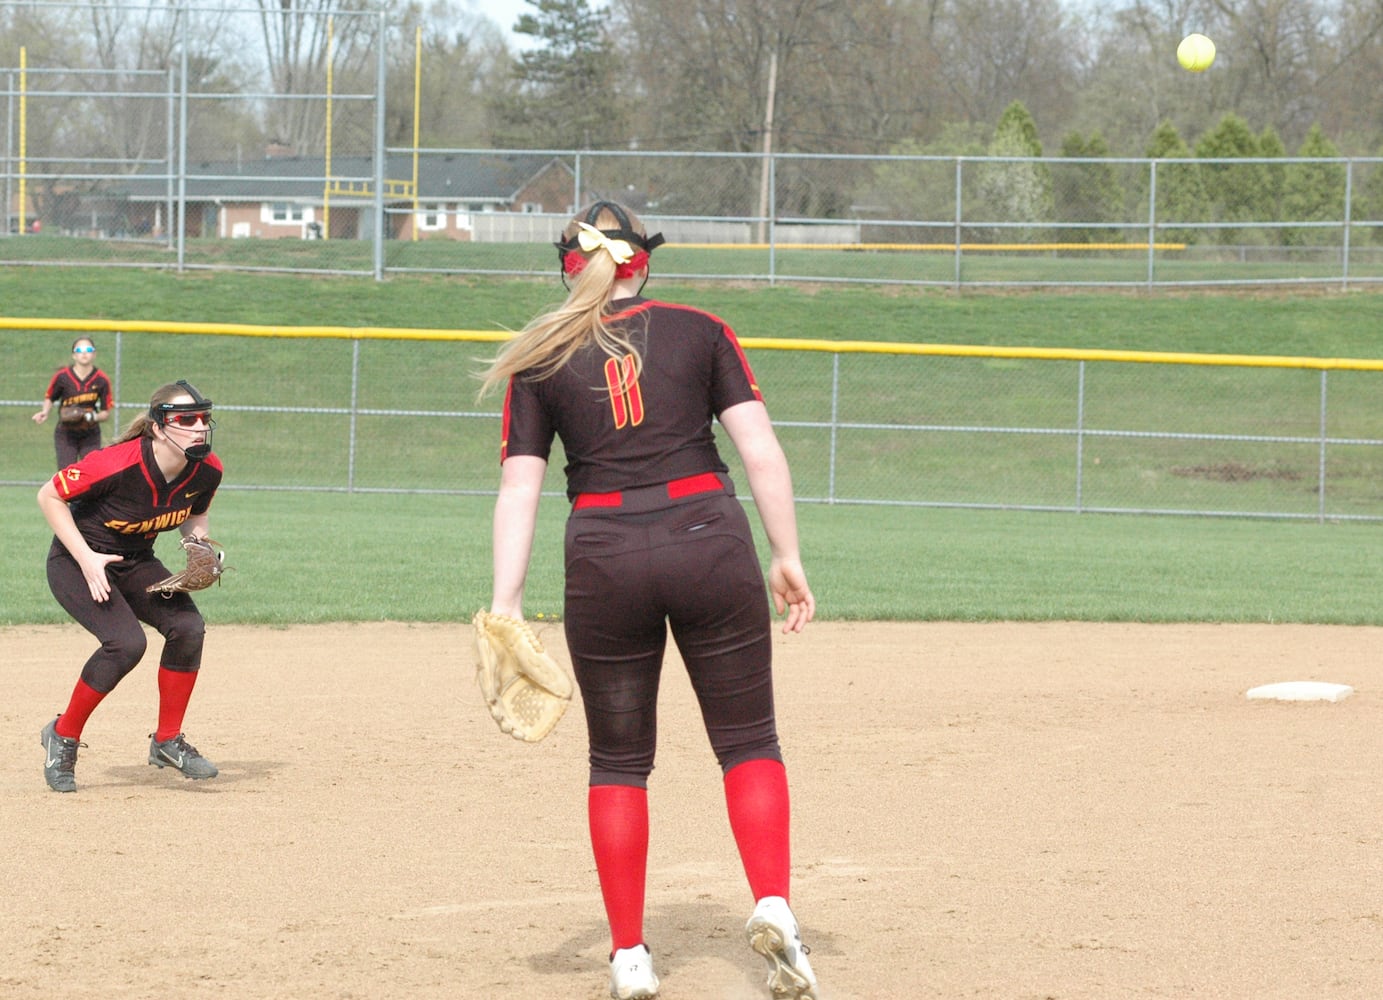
[765, 343]
[954, 425]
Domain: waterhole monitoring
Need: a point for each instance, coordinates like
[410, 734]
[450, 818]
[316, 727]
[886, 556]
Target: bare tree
[463, 62]
[1276, 54]
[850, 77]
[136, 51]
[299, 38]
[1352, 77]
[998, 51]
[710, 89]
[860, 77]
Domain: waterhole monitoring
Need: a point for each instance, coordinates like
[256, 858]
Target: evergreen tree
[1368, 199]
[1235, 190]
[1016, 191]
[568, 94]
[925, 188]
[1180, 188]
[1088, 192]
[1274, 176]
[1314, 192]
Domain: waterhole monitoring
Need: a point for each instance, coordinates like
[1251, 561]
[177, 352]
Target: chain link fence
[908, 425]
[171, 169]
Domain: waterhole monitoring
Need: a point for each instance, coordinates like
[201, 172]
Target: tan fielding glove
[204, 567]
[525, 688]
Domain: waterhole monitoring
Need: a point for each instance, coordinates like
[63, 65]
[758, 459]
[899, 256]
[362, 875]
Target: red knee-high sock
[174, 692]
[84, 700]
[619, 837]
[756, 795]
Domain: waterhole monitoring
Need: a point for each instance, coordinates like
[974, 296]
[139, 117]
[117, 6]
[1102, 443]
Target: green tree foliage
[1274, 174]
[568, 94]
[1313, 192]
[1087, 192]
[1017, 131]
[1166, 143]
[1368, 198]
[1016, 190]
[1236, 191]
[1181, 196]
[921, 185]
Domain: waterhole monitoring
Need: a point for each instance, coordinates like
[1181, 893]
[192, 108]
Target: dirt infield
[980, 811]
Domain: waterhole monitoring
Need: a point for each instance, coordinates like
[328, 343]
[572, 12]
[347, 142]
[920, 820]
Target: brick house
[289, 197]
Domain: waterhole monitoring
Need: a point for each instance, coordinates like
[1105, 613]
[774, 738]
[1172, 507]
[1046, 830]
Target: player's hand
[787, 581]
[40, 417]
[93, 566]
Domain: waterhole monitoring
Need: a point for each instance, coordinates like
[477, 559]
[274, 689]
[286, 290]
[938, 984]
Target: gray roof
[482, 177]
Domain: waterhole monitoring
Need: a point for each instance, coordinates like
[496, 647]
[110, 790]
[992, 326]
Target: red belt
[653, 497]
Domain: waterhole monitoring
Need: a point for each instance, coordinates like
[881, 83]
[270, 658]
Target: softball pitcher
[85, 388]
[105, 512]
[656, 540]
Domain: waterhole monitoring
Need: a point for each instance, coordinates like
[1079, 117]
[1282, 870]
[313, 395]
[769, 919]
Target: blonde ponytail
[549, 341]
[142, 425]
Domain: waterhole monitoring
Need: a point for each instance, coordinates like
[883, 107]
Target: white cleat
[773, 933]
[631, 974]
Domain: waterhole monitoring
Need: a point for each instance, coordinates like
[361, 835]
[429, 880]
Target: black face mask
[160, 412]
[197, 452]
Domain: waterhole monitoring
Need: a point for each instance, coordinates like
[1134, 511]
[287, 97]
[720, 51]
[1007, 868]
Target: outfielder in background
[105, 512]
[82, 394]
[656, 538]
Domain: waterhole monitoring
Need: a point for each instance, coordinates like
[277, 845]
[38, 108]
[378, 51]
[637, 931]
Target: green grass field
[332, 556]
[329, 557]
[870, 264]
[1319, 323]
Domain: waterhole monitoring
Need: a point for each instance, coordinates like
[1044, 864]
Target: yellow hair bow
[591, 239]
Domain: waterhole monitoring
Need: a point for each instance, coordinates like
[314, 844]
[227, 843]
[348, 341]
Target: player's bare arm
[770, 482]
[93, 564]
[516, 515]
[195, 526]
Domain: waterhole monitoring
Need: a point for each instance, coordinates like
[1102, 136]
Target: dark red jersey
[67, 388]
[121, 501]
[620, 432]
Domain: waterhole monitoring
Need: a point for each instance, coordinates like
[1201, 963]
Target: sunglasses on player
[83, 350]
[190, 420]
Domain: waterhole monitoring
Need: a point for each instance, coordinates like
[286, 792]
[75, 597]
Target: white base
[1302, 691]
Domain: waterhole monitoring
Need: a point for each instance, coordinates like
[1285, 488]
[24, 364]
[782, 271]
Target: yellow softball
[1196, 53]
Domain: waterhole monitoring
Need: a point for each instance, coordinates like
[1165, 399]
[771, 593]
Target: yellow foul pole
[326, 189]
[417, 84]
[418, 67]
[23, 139]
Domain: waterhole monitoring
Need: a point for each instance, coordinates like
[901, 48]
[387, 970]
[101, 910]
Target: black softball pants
[71, 446]
[632, 576]
[116, 621]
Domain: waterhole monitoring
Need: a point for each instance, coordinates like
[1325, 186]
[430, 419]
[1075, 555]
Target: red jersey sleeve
[107, 401]
[56, 389]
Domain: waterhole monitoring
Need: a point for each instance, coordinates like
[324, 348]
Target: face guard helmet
[570, 261]
[165, 413]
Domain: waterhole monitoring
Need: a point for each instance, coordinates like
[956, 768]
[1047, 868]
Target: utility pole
[768, 146]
